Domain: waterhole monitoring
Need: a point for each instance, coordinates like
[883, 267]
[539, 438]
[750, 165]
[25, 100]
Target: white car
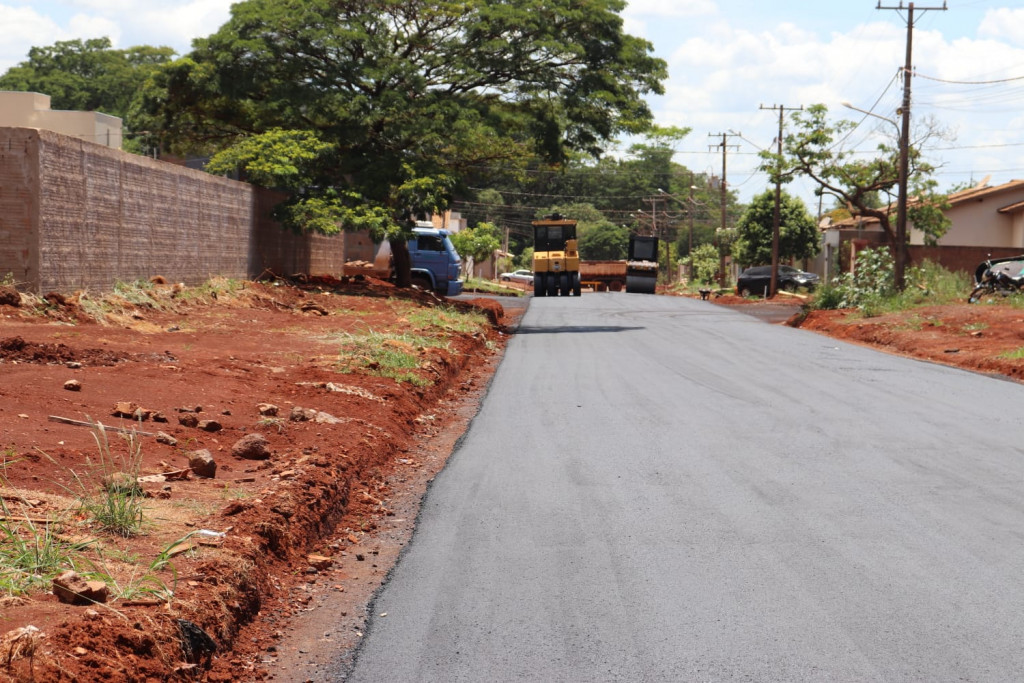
[524, 276]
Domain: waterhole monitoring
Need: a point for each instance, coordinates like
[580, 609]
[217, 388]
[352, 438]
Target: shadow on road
[576, 329]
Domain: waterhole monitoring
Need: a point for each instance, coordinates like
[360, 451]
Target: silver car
[524, 276]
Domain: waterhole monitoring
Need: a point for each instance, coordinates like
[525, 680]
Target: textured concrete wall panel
[19, 206]
[285, 252]
[63, 232]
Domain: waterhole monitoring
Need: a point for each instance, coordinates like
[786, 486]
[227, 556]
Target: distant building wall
[75, 215]
[32, 110]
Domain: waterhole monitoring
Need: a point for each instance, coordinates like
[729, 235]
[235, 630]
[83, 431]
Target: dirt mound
[9, 296]
[18, 350]
[983, 338]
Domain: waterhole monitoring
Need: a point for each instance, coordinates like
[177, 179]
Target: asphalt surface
[661, 489]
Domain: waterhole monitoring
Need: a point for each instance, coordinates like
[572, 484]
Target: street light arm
[871, 113]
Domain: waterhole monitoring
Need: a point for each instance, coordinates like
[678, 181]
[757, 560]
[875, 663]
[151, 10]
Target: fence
[76, 215]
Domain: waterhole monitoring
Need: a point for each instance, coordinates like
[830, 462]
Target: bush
[871, 286]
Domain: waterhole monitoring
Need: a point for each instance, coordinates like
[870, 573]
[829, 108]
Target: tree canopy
[86, 75]
[478, 243]
[815, 150]
[604, 241]
[798, 234]
[407, 98]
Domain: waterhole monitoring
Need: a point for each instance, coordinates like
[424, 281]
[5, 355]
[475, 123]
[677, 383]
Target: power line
[942, 80]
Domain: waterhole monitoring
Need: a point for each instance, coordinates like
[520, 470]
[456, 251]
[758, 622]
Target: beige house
[983, 216]
[32, 110]
[983, 220]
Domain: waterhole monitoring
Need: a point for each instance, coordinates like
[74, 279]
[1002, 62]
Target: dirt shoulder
[314, 466]
[984, 338]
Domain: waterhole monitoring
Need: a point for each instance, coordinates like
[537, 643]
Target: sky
[726, 60]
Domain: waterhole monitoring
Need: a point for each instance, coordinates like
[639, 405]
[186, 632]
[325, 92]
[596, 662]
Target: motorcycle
[995, 281]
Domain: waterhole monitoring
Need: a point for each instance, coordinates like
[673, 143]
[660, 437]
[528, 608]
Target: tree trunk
[402, 262]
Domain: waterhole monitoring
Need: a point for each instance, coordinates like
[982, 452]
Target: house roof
[983, 190]
[1016, 207]
[977, 193]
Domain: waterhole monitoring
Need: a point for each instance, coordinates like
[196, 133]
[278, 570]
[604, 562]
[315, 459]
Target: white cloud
[176, 24]
[24, 29]
[679, 8]
[86, 26]
[1005, 24]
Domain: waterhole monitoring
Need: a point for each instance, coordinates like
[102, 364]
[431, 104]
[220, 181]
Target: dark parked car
[756, 280]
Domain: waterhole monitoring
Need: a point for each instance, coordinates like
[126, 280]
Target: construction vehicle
[435, 263]
[556, 261]
[642, 265]
[603, 276]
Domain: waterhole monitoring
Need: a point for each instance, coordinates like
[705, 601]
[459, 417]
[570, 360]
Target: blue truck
[436, 264]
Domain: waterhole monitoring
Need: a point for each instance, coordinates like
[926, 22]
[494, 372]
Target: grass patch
[139, 292]
[396, 356]
[140, 581]
[234, 493]
[31, 554]
[1016, 354]
[399, 356]
[212, 289]
[107, 489]
[476, 284]
[272, 422]
[447, 319]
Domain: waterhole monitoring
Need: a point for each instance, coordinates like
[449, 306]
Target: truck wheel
[552, 280]
[422, 282]
[539, 284]
[563, 284]
[577, 288]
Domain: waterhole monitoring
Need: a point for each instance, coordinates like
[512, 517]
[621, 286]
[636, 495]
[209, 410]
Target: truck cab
[435, 263]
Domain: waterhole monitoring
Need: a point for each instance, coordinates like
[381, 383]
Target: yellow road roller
[556, 261]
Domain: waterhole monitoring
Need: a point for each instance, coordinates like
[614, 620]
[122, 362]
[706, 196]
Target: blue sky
[726, 58]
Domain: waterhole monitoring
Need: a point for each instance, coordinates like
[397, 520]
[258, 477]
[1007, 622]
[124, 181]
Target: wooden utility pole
[900, 257]
[777, 217]
[720, 235]
[692, 188]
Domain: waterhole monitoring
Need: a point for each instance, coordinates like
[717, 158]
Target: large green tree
[604, 241]
[798, 234]
[478, 243]
[815, 149]
[408, 96]
[87, 75]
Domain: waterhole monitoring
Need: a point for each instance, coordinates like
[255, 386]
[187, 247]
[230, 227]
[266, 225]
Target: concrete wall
[76, 215]
[19, 204]
[32, 110]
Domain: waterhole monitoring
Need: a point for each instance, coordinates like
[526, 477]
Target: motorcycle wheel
[977, 293]
[983, 293]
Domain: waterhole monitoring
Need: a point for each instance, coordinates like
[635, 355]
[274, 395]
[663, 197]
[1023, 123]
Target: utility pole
[777, 217]
[654, 231]
[692, 188]
[900, 257]
[721, 235]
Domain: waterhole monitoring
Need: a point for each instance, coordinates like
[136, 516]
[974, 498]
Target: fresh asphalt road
[661, 489]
